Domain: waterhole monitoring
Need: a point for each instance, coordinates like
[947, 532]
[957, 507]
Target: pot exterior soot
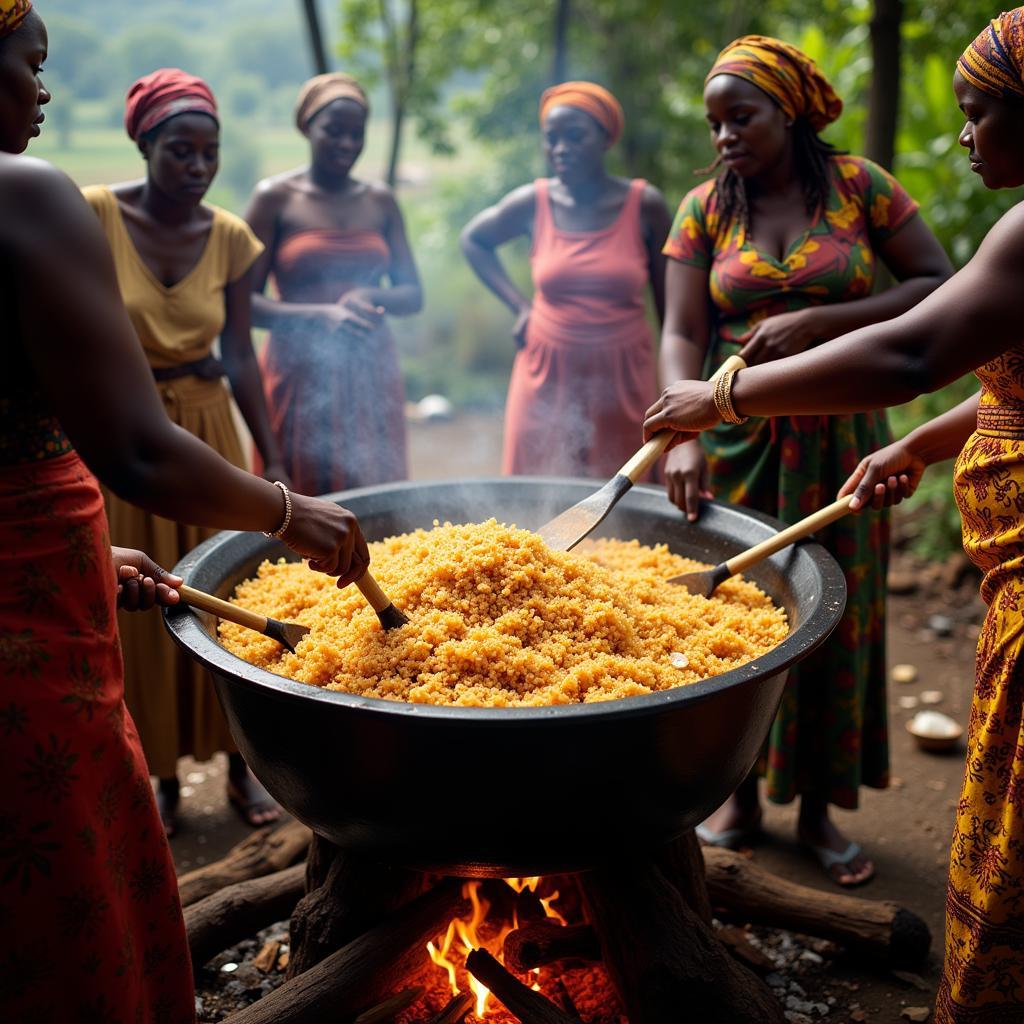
[521, 791]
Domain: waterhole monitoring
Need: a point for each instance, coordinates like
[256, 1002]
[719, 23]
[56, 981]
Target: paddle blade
[288, 634]
[568, 528]
[704, 582]
[392, 617]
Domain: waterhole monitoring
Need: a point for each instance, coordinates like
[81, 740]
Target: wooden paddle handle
[370, 588]
[208, 603]
[652, 451]
[815, 521]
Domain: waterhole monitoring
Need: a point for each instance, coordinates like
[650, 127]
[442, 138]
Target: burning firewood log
[529, 1006]
[367, 969]
[454, 1012]
[386, 1011]
[263, 853]
[239, 910]
[543, 942]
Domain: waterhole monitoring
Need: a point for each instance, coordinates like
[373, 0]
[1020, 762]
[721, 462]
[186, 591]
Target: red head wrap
[592, 99]
[163, 94]
[12, 14]
[994, 62]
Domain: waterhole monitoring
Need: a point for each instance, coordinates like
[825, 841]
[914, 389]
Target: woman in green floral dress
[778, 253]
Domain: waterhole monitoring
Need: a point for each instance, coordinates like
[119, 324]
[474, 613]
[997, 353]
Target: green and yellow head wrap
[785, 73]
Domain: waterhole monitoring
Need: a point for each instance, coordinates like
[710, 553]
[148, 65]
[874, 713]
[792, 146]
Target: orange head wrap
[163, 94]
[994, 62]
[12, 14]
[318, 92]
[592, 99]
[785, 73]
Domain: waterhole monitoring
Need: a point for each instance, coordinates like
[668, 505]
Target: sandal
[830, 859]
[259, 804]
[730, 838]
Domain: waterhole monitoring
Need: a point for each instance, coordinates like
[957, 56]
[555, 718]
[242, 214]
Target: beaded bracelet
[722, 396]
[286, 522]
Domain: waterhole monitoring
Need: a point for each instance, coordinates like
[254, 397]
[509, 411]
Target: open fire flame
[450, 950]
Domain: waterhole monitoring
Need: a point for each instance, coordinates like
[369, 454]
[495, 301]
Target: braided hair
[811, 153]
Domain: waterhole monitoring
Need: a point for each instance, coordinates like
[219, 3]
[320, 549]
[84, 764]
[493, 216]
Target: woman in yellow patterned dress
[972, 322]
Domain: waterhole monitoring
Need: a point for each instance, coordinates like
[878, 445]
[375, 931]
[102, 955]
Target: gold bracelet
[723, 399]
[287, 521]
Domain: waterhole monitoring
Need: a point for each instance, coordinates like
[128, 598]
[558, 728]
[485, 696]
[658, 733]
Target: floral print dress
[983, 979]
[831, 733]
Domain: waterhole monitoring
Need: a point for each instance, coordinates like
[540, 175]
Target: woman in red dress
[92, 926]
[330, 369]
[585, 369]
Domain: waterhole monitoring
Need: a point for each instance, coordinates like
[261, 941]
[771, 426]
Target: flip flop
[730, 838]
[829, 859]
[262, 801]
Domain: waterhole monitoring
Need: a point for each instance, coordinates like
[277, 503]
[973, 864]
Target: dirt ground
[905, 829]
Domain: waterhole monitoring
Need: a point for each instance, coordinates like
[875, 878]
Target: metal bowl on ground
[521, 791]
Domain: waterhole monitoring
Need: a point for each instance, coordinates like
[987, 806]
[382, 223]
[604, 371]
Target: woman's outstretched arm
[970, 319]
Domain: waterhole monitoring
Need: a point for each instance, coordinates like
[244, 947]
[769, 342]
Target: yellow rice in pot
[497, 619]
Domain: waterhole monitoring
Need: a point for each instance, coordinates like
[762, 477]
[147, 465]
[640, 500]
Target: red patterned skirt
[90, 921]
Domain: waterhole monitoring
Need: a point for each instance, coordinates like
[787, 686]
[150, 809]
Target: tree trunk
[316, 38]
[401, 63]
[884, 97]
[561, 41]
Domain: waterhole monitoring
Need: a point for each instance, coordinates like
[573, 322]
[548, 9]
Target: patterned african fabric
[586, 375]
[169, 694]
[994, 62]
[92, 926]
[31, 432]
[831, 733]
[983, 977]
[163, 94]
[337, 408]
[12, 14]
[785, 73]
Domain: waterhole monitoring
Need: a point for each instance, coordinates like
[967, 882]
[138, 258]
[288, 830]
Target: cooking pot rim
[187, 631]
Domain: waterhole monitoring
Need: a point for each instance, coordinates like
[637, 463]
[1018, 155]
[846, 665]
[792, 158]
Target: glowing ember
[485, 927]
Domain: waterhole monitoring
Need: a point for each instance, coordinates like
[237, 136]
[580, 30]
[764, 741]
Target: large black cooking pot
[487, 791]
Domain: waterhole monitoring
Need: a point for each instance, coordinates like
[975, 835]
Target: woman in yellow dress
[972, 322]
[183, 268]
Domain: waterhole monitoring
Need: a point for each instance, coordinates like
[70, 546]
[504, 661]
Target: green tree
[141, 49]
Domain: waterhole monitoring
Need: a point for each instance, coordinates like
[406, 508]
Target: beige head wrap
[324, 89]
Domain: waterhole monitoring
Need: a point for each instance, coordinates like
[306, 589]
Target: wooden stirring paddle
[568, 528]
[288, 634]
[706, 581]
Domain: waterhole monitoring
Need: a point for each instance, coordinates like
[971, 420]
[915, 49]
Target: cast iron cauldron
[482, 791]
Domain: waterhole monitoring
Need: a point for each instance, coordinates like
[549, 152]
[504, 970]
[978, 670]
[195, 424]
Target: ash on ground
[795, 967]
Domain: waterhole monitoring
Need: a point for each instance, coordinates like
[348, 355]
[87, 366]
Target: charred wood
[386, 1011]
[879, 929]
[353, 894]
[529, 1006]
[682, 864]
[454, 1012]
[544, 942]
[239, 910]
[662, 957]
[263, 853]
[366, 969]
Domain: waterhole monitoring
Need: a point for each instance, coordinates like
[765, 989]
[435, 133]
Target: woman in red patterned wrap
[91, 923]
